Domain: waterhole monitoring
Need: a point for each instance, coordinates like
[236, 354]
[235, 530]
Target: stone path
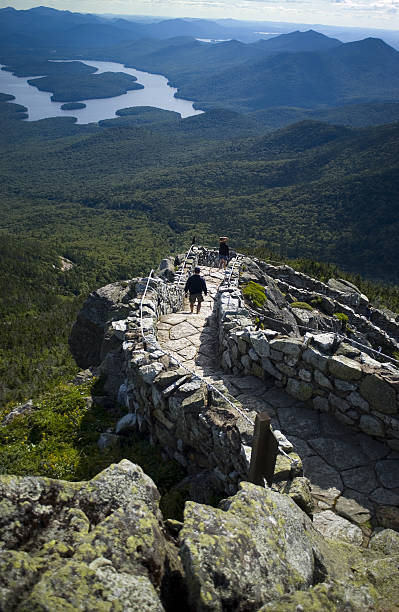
[352, 475]
[192, 338]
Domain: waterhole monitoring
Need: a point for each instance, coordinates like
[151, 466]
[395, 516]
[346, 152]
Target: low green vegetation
[302, 305]
[59, 440]
[39, 300]
[255, 293]
[316, 302]
[341, 316]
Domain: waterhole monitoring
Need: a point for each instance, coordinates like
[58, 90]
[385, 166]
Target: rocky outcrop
[25, 408]
[92, 334]
[324, 369]
[103, 545]
[202, 430]
[83, 546]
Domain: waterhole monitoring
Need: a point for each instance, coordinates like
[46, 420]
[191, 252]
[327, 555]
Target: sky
[360, 13]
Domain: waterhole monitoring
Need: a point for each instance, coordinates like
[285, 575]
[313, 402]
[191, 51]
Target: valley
[296, 156]
[242, 454]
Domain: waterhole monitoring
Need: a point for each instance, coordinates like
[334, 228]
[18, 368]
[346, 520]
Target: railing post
[264, 451]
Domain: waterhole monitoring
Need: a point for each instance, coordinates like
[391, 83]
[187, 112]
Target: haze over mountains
[64, 26]
[305, 70]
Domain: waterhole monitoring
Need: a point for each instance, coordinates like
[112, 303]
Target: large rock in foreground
[103, 546]
[82, 546]
[260, 548]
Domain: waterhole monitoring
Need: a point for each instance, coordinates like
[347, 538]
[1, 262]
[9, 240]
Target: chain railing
[184, 265]
[336, 334]
[194, 374]
[141, 304]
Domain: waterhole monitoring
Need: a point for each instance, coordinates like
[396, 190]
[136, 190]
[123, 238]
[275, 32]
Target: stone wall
[316, 368]
[385, 326]
[164, 401]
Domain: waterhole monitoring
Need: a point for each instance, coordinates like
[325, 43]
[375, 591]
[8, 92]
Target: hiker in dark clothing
[195, 285]
[224, 252]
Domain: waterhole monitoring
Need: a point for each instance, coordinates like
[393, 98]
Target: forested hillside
[310, 189]
[115, 199]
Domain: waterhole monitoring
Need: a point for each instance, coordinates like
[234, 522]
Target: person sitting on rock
[196, 285]
[224, 252]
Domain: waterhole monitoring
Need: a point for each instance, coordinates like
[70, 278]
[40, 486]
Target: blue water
[156, 93]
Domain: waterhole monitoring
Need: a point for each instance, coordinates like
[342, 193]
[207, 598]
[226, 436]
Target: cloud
[368, 13]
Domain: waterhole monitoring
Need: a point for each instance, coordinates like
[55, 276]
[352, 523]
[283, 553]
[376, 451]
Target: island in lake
[73, 105]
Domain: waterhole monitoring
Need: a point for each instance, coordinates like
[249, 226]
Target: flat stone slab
[255, 404]
[385, 497]
[388, 473]
[330, 426]
[338, 453]
[362, 479]
[279, 398]
[301, 447]
[247, 383]
[173, 319]
[162, 325]
[177, 345]
[373, 449]
[198, 320]
[351, 508]
[336, 527]
[325, 480]
[299, 421]
[188, 353]
[182, 330]
[162, 335]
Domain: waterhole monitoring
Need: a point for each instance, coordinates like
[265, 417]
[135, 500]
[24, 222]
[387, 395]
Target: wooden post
[264, 451]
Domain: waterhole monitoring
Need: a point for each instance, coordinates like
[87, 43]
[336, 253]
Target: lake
[156, 93]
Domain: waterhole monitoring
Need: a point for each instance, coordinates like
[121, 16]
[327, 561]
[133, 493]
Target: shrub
[255, 293]
[315, 302]
[59, 440]
[341, 316]
[302, 305]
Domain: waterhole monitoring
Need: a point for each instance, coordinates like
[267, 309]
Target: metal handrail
[340, 336]
[184, 264]
[232, 268]
[141, 303]
[196, 375]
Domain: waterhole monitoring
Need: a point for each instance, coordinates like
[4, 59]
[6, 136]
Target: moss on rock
[255, 293]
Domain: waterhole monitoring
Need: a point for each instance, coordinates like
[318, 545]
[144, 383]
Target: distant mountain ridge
[272, 73]
[303, 70]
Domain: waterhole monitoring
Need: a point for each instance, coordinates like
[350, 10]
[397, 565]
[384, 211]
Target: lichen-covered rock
[73, 586]
[382, 576]
[95, 545]
[385, 541]
[327, 597]
[249, 552]
[333, 526]
[299, 490]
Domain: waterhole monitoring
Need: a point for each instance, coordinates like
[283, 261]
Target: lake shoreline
[156, 93]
